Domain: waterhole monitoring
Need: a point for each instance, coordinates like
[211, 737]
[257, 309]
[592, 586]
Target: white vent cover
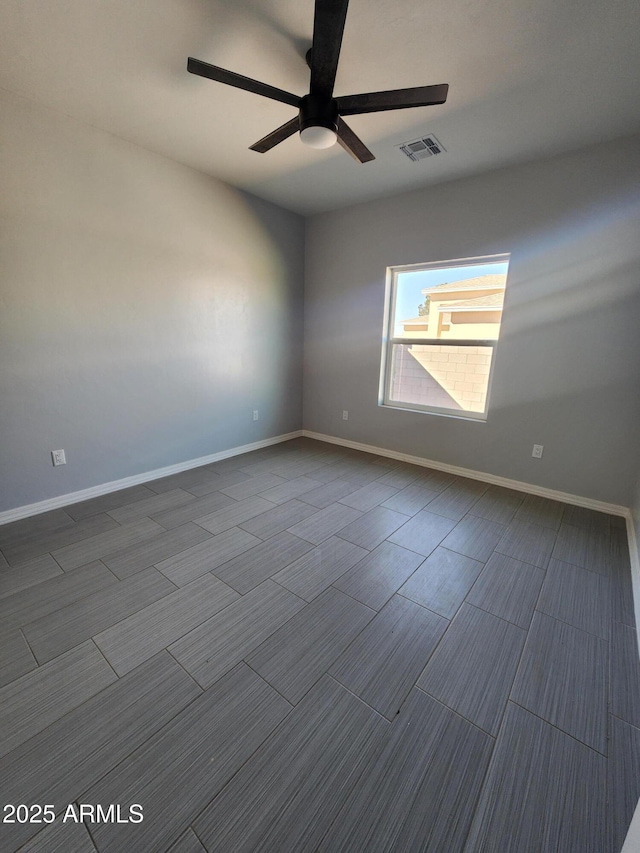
[419, 149]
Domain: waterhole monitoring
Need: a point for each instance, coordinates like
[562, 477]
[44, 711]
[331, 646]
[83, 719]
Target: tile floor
[308, 648]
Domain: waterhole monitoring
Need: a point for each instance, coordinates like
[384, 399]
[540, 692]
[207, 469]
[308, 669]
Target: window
[442, 326]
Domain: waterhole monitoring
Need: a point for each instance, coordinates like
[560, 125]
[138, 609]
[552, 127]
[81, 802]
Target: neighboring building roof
[492, 301]
[495, 281]
[416, 321]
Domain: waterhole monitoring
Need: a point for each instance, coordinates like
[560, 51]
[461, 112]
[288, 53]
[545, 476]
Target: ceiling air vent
[419, 149]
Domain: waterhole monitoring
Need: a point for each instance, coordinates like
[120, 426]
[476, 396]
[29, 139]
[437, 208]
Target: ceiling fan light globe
[317, 136]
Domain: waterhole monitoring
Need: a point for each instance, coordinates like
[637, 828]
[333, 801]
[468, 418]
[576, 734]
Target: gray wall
[145, 309]
[568, 362]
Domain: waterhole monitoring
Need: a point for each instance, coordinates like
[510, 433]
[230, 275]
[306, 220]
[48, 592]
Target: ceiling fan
[319, 118]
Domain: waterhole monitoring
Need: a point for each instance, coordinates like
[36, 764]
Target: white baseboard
[115, 485]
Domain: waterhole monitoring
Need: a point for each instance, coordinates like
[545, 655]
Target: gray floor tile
[34, 546]
[542, 511]
[61, 837]
[35, 525]
[442, 581]
[383, 663]
[104, 503]
[458, 498]
[39, 698]
[182, 767]
[3, 561]
[278, 518]
[143, 634]
[473, 668]
[290, 489]
[585, 548]
[419, 794]
[402, 475]
[289, 792]
[379, 575]
[186, 480]
[312, 573]
[474, 537]
[151, 506]
[437, 481]
[81, 553]
[498, 504]
[58, 764]
[69, 626]
[233, 514]
[36, 601]
[16, 658]
[327, 493]
[221, 481]
[294, 657]
[623, 779]
[410, 500]
[559, 663]
[509, 589]
[621, 589]
[254, 566]
[580, 516]
[577, 596]
[424, 532]
[28, 574]
[137, 557]
[325, 523]
[372, 528]
[217, 645]
[196, 509]
[366, 497]
[253, 486]
[530, 543]
[544, 791]
[205, 557]
[625, 674]
[187, 843]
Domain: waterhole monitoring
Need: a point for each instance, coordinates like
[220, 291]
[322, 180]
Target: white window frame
[388, 339]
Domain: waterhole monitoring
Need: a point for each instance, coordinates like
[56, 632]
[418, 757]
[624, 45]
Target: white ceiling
[527, 78]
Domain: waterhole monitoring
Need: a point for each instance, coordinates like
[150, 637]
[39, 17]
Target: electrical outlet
[537, 451]
[255, 414]
[58, 458]
[345, 415]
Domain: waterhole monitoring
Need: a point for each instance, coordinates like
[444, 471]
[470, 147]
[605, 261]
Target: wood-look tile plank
[59, 763]
[580, 516]
[577, 596]
[151, 506]
[233, 514]
[379, 575]
[423, 533]
[530, 543]
[187, 843]
[312, 573]
[69, 626]
[217, 645]
[419, 794]
[625, 674]
[290, 489]
[402, 476]
[544, 791]
[410, 500]
[145, 554]
[16, 658]
[473, 668]
[541, 511]
[560, 663]
[252, 567]
[28, 574]
[278, 518]
[104, 503]
[585, 548]
[327, 493]
[372, 528]
[35, 525]
[455, 501]
[442, 581]
[182, 767]
[294, 657]
[205, 557]
[509, 589]
[369, 496]
[248, 488]
[184, 480]
[621, 590]
[81, 553]
[221, 481]
[623, 779]
[474, 537]
[498, 504]
[61, 837]
[143, 634]
[3, 561]
[289, 792]
[34, 546]
[35, 700]
[196, 509]
[383, 663]
[36, 601]
[325, 523]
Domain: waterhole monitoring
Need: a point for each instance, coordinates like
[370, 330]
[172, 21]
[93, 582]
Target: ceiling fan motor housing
[316, 111]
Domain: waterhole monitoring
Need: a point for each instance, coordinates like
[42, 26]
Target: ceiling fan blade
[328, 27]
[279, 135]
[221, 75]
[352, 144]
[395, 99]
